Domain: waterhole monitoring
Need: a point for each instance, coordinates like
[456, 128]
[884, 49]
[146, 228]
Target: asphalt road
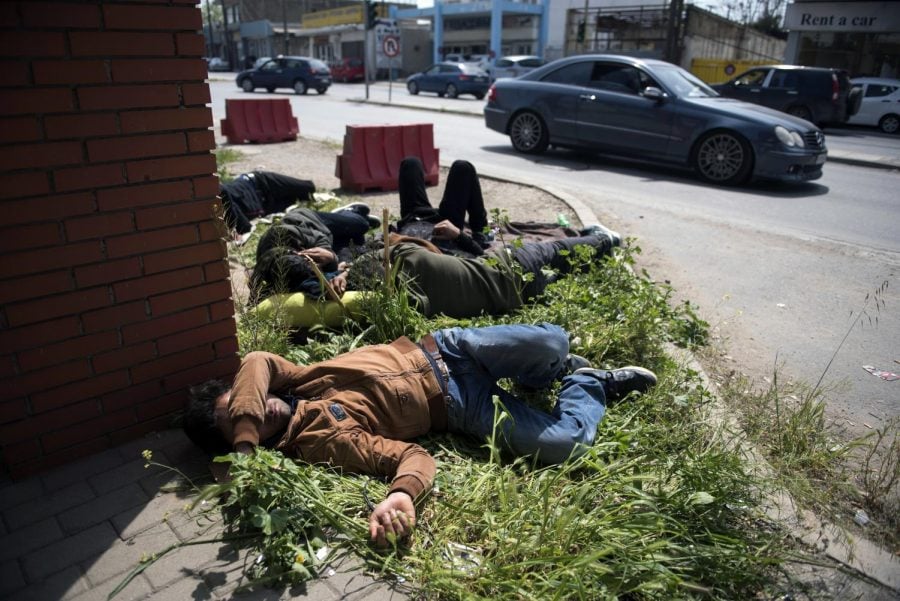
[780, 271]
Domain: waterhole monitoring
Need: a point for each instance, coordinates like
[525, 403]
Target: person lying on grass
[359, 410]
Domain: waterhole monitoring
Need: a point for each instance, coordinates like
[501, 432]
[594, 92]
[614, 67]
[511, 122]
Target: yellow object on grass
[300, 311]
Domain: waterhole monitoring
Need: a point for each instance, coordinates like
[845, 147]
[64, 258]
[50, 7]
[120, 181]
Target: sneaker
[575, 362]
[483, 240]
[357, 207]
[619, 382]
[599, 230]
[374, 222]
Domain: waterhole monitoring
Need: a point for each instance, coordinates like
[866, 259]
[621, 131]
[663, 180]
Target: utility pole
[226, 37]
[284, 22]
[209, 31]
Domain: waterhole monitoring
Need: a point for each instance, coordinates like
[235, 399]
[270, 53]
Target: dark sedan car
[299, 73]
[652, 110]
[450, 79]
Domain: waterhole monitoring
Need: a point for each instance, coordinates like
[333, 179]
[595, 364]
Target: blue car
[450, 79]
[652, 110]
[299, 73]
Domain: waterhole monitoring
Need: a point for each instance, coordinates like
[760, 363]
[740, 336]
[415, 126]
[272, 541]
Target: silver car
[514, 66]
[652, 110]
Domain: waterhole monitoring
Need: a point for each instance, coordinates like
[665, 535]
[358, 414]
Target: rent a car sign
[842, 16]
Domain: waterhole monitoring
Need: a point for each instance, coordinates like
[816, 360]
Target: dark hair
[278, 268]
[199, 419]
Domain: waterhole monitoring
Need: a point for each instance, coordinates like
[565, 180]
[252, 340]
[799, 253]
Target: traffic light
[581, 32]
[371, 14]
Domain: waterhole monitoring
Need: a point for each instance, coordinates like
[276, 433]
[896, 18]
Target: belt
[437, 404]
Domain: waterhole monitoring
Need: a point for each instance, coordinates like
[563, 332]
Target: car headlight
[790, 139]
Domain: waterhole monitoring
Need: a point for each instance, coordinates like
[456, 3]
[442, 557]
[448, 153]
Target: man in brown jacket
[358, 410]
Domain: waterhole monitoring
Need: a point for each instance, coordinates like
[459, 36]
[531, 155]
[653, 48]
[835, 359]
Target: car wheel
[321, 90]
[246, 84]
[299, 87]
[451, 91]
[270, 90]
[528, 133]
[479, 96]
[800, 111]
[413, 88]
[889, 124]
[723, 157]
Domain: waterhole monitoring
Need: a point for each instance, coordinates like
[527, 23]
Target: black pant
[462, 195]
[346, 227]
[278, 192]
[533, 256]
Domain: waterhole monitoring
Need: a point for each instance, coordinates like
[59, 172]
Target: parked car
[217, 64]
[880, 103]
[261, 61]
[348, 69]
[652, 110]
[454, 58]
[514, 66]
[817, 94]
[450, 79]
[300, 73]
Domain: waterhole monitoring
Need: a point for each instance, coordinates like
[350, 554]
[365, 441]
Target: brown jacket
[357, 409]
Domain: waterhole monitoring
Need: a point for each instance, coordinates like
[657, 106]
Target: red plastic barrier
[270, 120]
[373, 153]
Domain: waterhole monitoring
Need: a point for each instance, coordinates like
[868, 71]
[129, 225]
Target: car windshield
[682, 83]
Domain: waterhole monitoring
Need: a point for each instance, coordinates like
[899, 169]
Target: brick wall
[114, 293]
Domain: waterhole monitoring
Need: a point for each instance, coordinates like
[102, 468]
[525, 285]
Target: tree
[762, 15]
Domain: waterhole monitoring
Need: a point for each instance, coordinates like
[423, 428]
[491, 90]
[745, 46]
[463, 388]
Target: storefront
[861, 37]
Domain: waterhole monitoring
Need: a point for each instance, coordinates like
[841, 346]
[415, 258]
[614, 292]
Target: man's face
[278, 414]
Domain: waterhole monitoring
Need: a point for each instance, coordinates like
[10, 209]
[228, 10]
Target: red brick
[46, 154]
[195, 93]
[158, 69]
[60, 14]
[9, 16]
[227, 347]
[12, 410]
[40, 333]
[69, 349]
[79, 391]
[183, 166]
[30, 236]
[32, 43]
[221, 310]
[81, 125]
[57, 306]
[128, 97]
[161, 326]
[171, 364]
[106, 44]
[35, 261]
[103, 225]
[182, 257]
[21, 451]
[7, 367]
[190, 44]
[114, 316]
[89, 176]
[46, 378]
[213, 230]
[152, 17]
[213, 272]
[39, 424]
[201, 295]
[63, 72]
[130, 396]
[143, 195]
[206, 186]
[147, 286]
[150, 241]
[15, 73]
[58, 207]
[195, 338]
[107, 272]
[135, 122]
[19, 471]
[27, 287]
[34, 101]
[132, 147]
[201, 140]
[220, 368]
[19, 129]
[89, 430]
[124, 357]
[161, 406]
[173, 214]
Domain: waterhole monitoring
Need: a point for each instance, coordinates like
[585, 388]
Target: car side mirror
[654, 93]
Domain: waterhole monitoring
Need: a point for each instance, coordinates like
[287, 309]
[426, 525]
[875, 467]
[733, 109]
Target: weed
[224, 157]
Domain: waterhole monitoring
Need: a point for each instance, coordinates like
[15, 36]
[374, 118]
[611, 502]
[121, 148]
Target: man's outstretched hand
[392, 519]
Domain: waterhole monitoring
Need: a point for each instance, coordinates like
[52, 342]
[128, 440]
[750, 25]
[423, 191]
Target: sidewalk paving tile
[48, 504]
[57, 556]
[102, 508]
[163, 507]
[132, 471]
[138, 588]
[31, 537]
[121, 557]
[11, 578]
[80, 470]
[62, 586]
[208, 561]
[12, 494]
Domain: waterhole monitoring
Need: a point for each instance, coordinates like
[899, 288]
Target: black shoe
[357, 207]
[374, 222]
[575, 362]
[483, 240]
[599, 230]
[619, 382]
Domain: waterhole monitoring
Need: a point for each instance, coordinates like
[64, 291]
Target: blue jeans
[532, 356]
